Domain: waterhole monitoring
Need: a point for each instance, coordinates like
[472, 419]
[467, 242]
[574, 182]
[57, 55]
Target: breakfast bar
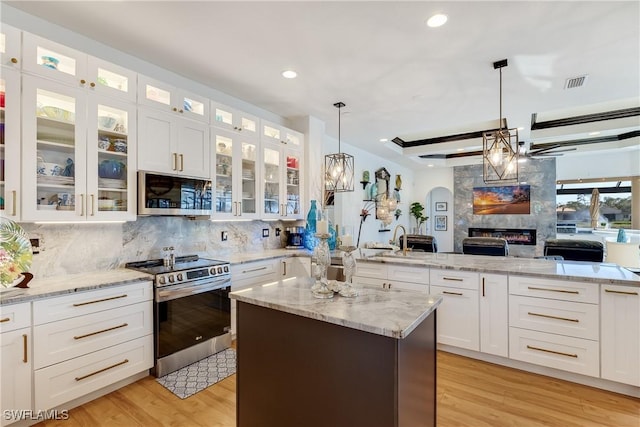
[363, 361]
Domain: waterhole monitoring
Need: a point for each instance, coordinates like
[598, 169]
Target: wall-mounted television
[505, 200]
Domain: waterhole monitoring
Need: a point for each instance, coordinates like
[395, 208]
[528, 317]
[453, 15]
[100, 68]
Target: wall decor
[441, 206]
[440, 223]
[512, 199]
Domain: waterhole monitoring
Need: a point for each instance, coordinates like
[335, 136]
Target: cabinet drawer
[403, 273]
[253, 273]
[15, 316]
[555, 351]
[59, 341]
[373, 270]
[369, 282]
[454, 279]
[83, 303]
[554, 289]
[573, 319]
[63, 382]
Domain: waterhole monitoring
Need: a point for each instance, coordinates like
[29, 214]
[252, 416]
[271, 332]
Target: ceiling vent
[574, 82]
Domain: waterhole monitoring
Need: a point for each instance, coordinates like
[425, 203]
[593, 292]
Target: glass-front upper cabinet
[10, 144]
[236, 172]
[234, 120]
[293, 208]
[165, 97]
[78, 154]
[61, 63]
[272, 173]
[10, 46]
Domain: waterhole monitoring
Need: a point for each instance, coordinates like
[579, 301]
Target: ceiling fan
[554, 150]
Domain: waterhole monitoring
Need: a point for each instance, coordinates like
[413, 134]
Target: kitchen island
[363, 361]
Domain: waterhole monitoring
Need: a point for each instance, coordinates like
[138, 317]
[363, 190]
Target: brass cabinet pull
[255, 269]
[102, 370]
[83, 81]
[620, 292]
[455, 279]
[82, 205]
[99, 300]
[284, 268]
[553, 317]
[99, 332]
[452, 293]
[93, 205]
[483, 286]
[239, 208]
[14, 198]
[6, 319]
[552, 290]
[24, 349]
[14, 60]
[181, 162]
[388, 285]
[174, 163]
[92, 84]
[530, 347]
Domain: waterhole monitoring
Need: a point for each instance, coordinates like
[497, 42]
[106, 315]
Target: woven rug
[200, 375]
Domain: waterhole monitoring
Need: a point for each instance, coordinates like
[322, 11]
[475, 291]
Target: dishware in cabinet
[66, 65]
[282, 182]
[10, 144]
[236, 175]
[234, 120]
[10, 45]
[171, 99]
[65, 154]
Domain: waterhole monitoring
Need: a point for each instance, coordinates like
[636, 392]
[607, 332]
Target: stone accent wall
[540, 174]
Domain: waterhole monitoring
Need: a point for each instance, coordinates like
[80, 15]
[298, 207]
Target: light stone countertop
[390, 313]
[241, 258]
[594, 272]
[59, 285]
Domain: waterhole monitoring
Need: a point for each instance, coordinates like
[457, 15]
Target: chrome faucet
[404, 238]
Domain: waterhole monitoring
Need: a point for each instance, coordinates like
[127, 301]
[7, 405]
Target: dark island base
[295, 371]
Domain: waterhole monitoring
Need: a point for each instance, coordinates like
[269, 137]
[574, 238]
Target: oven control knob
[213, 271]
[171, 279]
[226, 268]
[161, 280]
[219, 270]
[180, 277]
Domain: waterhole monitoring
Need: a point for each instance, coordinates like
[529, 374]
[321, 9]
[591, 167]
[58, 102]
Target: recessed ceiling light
[289, 74]
[594, 133]
[383, 140]
[521, 128]
[437, 20]
[429, 166]
[459, 149]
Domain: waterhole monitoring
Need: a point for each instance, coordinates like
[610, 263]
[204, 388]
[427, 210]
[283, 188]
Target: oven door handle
[168, 293]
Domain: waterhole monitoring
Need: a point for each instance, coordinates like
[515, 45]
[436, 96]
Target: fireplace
[514, 236]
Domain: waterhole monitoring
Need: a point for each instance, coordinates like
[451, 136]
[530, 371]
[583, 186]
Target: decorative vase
[310, 240]
[398, 183]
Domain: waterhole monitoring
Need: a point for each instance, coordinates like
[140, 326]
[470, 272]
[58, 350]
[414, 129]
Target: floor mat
[200, 375]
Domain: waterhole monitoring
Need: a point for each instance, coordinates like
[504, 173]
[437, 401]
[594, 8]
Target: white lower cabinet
[88, 340]
[620, 323]
[459, 312]
[294, 267]
[494, 314]
[392, 276]
[15, 361]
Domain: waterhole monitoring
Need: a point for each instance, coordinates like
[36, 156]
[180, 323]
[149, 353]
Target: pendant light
[339, 166]
[500, 148]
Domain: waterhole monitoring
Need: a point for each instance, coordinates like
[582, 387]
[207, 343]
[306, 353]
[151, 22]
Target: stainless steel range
[192, 310]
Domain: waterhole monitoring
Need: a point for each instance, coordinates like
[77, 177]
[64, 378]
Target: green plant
[417, 211]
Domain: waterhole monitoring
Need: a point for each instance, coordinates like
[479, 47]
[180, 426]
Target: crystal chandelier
[500, 148]
[338, 167]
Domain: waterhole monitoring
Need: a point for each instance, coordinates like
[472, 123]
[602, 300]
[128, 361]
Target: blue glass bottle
[310, 241]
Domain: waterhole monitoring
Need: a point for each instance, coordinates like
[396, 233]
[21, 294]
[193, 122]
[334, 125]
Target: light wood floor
[470, 393]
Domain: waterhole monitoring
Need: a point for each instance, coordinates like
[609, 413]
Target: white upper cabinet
[275, 133]
[61, 63]
[233, 120]
[10, 193]
[10, 46]
[165, 97]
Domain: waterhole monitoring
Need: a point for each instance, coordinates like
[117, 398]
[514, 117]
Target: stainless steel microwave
[160, 194]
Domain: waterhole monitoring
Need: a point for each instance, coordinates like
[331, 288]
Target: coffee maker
[295, 237]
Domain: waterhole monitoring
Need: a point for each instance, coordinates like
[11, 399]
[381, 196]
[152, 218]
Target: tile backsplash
[77, 248]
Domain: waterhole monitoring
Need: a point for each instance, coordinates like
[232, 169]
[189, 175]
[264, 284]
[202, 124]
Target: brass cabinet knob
[14, 60]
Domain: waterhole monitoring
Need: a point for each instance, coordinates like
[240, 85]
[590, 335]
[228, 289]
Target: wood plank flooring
[470, 393]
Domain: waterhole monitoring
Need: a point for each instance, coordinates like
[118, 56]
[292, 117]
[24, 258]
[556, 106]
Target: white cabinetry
[458, 314]
[494, 314]
[10, 143]
[392, 276]
[250, 274]
[282, 156]
[89, 340]
[10, 46]
[555, 324]
[15, 359]
[620, 348]
[78, 154]
[171, 99]
[294, 267]
[233, 120]
[236, 173]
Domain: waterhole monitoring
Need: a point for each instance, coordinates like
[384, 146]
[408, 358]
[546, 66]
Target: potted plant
[417, 211]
